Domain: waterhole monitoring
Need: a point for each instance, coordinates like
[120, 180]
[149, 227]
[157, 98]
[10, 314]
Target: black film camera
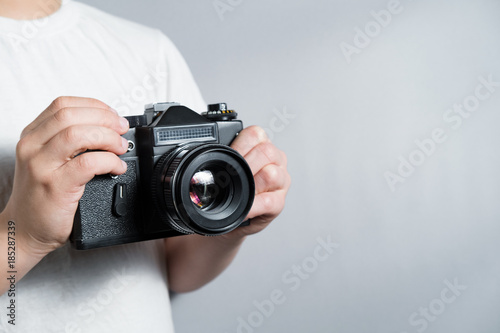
[182, 178]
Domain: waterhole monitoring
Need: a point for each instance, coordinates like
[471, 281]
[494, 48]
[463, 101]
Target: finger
[249, 138]
[80, 170]
[267, 204]
[77, 139]
[264, 154]
[62, 103]
[270, 178]
[68, 117]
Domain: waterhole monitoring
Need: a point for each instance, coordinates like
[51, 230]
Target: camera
[182, 178]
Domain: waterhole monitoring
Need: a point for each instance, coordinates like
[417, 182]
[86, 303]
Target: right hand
[51, 174]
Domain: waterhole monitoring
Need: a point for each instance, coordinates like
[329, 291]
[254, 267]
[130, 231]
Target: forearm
[15, 262]
[194, 260]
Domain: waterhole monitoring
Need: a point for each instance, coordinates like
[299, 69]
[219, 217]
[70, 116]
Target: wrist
[15, 260]
[28, 248]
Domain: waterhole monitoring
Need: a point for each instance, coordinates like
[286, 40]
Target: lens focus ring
[207, 189]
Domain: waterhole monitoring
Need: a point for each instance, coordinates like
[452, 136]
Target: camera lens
[204, 191]
[207, 189]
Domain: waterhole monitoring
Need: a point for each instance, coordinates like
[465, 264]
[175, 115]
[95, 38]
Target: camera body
[182, 178]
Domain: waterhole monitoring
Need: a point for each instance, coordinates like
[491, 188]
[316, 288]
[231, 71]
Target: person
[91, 69]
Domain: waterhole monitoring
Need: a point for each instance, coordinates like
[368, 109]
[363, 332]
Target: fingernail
[124, 164]
[124, 144]
[124, 123]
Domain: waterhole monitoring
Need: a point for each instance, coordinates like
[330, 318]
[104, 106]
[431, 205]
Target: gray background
[352, 122]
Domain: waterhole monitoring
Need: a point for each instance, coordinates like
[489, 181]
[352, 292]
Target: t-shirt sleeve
[180, 84]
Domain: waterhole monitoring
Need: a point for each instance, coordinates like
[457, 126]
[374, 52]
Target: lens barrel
[207, 189]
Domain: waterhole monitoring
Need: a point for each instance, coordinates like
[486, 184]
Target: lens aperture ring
[162, 191]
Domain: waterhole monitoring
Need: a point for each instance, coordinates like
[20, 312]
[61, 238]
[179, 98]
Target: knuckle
[22, 148]
[268, 202]
[85, 161]
[271, 175]
[25, 131]
[269, 150]
[71, 134]
[60, 102]
[64, 115]
[256, 133]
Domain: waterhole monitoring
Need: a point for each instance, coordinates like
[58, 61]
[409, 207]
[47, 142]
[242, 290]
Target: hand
[272, 180]
[51, 174]
[194, 260]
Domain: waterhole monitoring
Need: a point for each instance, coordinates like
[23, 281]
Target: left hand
[272, 180]
[194, 260]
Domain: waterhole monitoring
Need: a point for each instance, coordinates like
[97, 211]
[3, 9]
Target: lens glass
[202, 189]
[210, 188]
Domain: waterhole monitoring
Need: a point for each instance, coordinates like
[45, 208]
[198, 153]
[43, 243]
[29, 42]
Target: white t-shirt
[80, 51]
